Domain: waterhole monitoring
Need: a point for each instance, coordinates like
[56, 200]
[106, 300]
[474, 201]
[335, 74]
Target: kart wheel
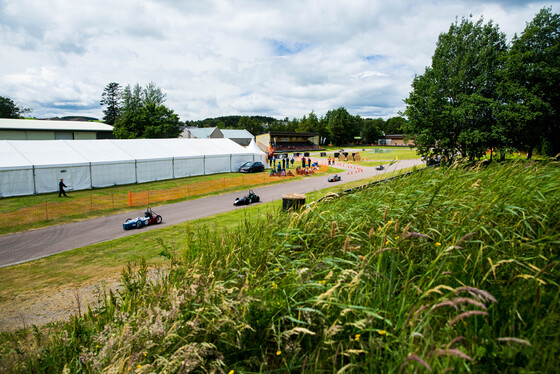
[257, 199]
[138, 224]
[158, 219]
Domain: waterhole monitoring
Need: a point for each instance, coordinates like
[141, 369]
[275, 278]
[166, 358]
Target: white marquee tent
[28, 167]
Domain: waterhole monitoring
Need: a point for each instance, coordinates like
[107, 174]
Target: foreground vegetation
[447, 268]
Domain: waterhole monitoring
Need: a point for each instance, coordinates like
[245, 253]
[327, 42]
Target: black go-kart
[335, 178]
[380, 167]
[246, 200]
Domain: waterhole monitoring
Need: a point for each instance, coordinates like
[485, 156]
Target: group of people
[331, 160]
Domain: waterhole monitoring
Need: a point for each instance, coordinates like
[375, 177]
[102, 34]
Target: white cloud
[282, 58]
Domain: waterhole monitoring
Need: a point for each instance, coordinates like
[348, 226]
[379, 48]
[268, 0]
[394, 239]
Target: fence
[112, 201]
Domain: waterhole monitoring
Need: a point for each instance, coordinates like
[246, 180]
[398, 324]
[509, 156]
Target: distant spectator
[61, 186]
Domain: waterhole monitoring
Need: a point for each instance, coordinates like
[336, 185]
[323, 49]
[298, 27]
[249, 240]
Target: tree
[111, 98]
[371, 130]
[394, 125]
[531, 81]
[452, 107]
[143, 115]
[339, 123]
[9, 109]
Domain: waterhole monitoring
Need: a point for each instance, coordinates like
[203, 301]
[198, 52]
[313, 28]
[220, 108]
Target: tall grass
[451, 268]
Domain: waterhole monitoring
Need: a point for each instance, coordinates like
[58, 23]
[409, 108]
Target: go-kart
[335, 178]
[150, 218]
[380, 167]
[246, 200]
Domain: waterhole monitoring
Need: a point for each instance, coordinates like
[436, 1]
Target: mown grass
[447, 269]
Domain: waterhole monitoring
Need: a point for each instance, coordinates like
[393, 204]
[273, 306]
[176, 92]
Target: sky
[278, 58]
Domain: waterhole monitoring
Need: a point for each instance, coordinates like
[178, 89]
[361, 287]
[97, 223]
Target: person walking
[61, 186]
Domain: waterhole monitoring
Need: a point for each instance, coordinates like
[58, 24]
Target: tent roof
[254, 148]
[11, 159]
[33, 124]
[49, 153]
[141, 149]
[100, 151]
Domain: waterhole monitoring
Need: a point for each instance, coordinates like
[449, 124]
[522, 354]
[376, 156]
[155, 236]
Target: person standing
[303, 162]
[283, 163]
[292, 161]
[61, 186]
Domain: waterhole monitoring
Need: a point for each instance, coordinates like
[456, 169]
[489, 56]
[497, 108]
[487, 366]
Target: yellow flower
[145, 354]
[321, 282]
[139, 366]
[387, 242]
[438, 244]
[379, 228]
[390, 222]
[274, 285]
[276, 270]
[231, 371]
[381, 332]
[397, 237]
[278, 353]
[357, 337]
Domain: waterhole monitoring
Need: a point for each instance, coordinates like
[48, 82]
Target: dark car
[251, 167]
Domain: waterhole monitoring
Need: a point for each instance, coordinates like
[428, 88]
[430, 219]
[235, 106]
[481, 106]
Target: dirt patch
[52, 306]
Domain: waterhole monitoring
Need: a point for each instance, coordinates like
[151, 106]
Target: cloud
[282, 58]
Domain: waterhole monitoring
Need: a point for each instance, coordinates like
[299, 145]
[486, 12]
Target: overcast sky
[281, 58]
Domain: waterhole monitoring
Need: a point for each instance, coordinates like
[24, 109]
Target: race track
[34, 244]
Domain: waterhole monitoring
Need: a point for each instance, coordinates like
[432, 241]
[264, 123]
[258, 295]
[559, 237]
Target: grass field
[450, 268]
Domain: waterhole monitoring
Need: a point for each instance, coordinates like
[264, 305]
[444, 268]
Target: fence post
[129, 198]
[46, 211]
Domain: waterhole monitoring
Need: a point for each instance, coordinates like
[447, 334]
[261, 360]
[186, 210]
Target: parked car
[251, 167]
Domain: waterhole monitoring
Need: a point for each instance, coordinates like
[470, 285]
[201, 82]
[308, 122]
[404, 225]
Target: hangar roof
[51, 125]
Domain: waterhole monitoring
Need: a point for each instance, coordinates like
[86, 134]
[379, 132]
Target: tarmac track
[34, 244]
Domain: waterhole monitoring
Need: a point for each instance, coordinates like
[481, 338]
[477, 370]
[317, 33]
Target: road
[30, 245]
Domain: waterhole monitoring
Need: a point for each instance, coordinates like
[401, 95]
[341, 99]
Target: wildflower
[357, 337]
[97, 346]
[276, 270]
[274, 286]
[231, 371]
[145, 354]
[278, 353]
[381, 332]
[390, 222]
[379, 228]
[397, 237]
[438, 244]
[322, 282]
[387, 242]
[139, 366]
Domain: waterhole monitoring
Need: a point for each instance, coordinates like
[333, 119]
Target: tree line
[482, 94]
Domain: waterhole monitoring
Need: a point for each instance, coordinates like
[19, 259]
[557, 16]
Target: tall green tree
[111, 98]
[9, 109]
[143, 114]
[451, 108]
[532, 78]
[371, 130]
[340, 125]
[394, 125]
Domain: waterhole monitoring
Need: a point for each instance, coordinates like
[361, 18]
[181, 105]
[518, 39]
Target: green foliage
[9, 109]
[452, 106]
[531, 78]
[111, 98]
[446, 268]
[143, 115]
